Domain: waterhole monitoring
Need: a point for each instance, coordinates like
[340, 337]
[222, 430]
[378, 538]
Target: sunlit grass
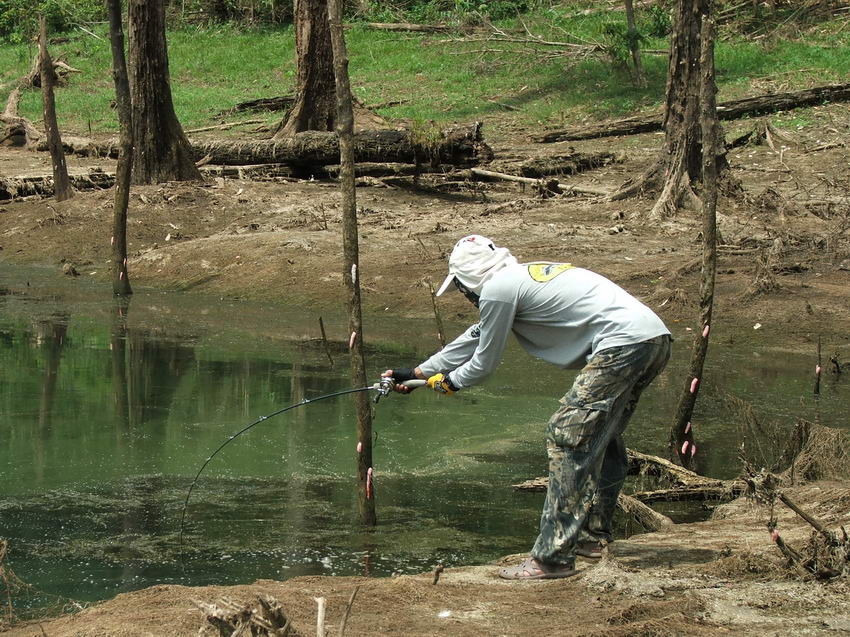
[431, 77]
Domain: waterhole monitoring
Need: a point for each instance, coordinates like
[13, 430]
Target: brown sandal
[531, 569]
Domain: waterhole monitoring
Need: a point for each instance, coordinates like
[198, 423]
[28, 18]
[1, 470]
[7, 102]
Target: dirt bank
[280, 241]
[723, 576]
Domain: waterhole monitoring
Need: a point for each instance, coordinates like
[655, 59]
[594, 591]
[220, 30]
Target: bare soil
[280, 242]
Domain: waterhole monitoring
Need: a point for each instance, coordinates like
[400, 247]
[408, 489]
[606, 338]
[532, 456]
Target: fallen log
[406, 26]
[569, 164]
[734, 109]
[721, 491]
[42, 185]
[648, 518]
[646, 464]
[543, 186]
[458, 146]
[280, 103]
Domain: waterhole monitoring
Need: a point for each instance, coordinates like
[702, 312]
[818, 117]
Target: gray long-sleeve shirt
[558, 313]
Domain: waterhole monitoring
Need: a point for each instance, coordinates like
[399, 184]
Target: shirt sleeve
[497, 318]
[454, 354]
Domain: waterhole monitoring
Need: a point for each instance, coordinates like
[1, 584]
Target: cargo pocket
[576, 423]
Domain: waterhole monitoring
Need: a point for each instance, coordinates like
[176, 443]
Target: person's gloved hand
[441, 383]
[400, 375]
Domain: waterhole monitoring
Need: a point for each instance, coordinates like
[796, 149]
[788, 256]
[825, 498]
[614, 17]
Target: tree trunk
[679, 168]
[120, 276]
[62, 184]
[682, 433]
[315, 100]
[345, 131]
[162, 152]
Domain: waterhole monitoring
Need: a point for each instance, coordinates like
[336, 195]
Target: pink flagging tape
[693, 450]
[688, 427]
[684, 447]
[694, 384]
[351, 340]
[817, 370]
[369, 484]
[359, 447]
[705, 331]
[774, 535]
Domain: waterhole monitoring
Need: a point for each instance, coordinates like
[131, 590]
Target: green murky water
[106, 414]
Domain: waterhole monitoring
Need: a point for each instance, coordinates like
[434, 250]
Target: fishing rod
[384, 387]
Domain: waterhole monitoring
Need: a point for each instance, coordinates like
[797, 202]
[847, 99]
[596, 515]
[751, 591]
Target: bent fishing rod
[384, 387]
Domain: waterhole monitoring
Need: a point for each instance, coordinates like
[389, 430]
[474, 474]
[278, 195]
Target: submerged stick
[348, 610]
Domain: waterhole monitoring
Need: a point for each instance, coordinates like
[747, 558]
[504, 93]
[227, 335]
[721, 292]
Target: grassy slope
[440, 79]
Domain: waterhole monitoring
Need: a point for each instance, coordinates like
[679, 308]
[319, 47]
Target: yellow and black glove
[441, 383]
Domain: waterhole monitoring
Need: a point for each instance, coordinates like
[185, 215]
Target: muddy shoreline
[783, 266]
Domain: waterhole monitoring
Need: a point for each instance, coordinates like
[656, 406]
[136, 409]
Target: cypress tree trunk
[162, 152]
[315, 100]
[345, 130]
[679, 166]
[61, 183]
[120, 276]
[682, 434]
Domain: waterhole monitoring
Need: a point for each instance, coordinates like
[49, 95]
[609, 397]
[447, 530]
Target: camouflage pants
[587, 455]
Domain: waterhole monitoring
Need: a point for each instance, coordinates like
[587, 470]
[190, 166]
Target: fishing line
[243, 430]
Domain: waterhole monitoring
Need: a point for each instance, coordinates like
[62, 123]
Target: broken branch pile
[265, 617]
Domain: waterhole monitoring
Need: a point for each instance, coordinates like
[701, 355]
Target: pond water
[107, 412]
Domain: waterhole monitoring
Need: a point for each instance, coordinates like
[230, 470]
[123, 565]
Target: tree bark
[315, 100]
[62, 185]
[162, 152]
[120, 275]
[345, 131]
[682, 433]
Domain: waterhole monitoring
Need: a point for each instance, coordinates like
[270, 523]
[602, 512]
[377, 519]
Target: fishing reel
[387, 385]
[384, 387]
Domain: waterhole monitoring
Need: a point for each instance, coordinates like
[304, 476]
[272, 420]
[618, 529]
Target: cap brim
[447, 285]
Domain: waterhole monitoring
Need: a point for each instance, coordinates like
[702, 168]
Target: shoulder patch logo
[542, 272]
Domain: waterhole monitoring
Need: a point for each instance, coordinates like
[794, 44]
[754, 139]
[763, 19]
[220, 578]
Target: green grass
[439, 79]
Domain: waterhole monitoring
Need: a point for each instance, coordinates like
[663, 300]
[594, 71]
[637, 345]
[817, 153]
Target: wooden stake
[345, 132]
[63, 188]
[681, 435]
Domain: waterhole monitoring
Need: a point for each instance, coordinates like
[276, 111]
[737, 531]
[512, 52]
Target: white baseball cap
[473, 260]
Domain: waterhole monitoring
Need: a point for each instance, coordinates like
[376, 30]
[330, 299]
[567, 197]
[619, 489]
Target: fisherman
[572, 318]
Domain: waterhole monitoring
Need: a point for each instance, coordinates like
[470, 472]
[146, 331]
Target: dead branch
[648, 518]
